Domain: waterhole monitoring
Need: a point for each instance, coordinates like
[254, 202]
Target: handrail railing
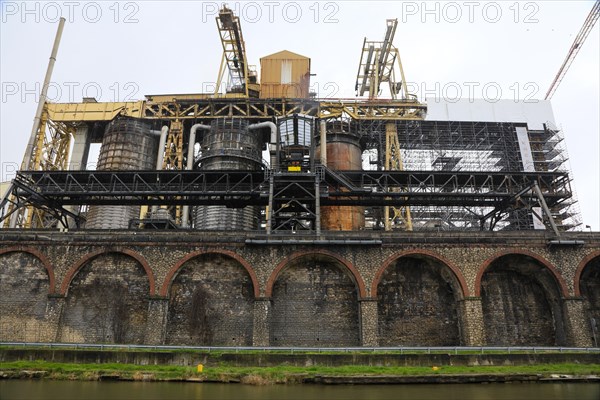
[398, 349]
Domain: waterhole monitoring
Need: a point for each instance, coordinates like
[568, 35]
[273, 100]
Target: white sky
[124, 50]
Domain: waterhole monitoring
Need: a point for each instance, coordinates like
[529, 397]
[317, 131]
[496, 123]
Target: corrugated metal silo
[229, 146]
[128, 144]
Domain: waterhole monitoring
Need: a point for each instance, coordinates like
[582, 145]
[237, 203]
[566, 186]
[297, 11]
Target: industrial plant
[261, 215]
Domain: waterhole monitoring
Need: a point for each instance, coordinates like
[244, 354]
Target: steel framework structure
[378, 64]
[201, 107]
[435, 146]
[442, 146]
[498, 192]
[59, 121]
[379, 61]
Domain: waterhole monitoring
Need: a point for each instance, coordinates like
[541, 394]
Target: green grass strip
[279, 374]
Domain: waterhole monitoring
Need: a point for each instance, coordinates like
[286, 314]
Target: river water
[67, 390]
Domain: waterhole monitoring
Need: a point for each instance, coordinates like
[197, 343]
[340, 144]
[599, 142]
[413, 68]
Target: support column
[156, 323]
[81, 149]
[471, 317]
[260, 329]
[53, 317]
[579, 328]
[317, 207]
[78, 160]
[369, 320]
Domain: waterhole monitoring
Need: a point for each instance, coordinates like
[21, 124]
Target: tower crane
[242, 77]
[380, 63]
[589, 23]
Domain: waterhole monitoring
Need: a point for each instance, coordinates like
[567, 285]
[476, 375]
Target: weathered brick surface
[418, 305]
[369, 335]
[107, 302]
[262, 314]
[491, 288]
[471, 316]
[156, 323]
[211, 303]
[24, 286]
[586, 322]
[315, 303]
[521, 304]
[577, 323]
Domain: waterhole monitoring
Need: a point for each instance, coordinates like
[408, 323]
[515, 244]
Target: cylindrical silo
[128, 144]
[229, 146]
[343, 154]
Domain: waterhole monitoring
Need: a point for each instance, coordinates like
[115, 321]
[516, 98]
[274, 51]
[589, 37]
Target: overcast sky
[117, 51]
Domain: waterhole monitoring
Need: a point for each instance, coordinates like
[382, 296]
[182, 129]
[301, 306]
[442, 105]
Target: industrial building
[266, 216]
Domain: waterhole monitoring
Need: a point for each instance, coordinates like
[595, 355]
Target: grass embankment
[265, 375]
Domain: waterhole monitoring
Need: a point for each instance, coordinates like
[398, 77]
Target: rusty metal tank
[343, 154]
[128, 144]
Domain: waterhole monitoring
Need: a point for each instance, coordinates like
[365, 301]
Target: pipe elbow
[267, 124]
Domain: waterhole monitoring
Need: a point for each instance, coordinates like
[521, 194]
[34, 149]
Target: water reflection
[33, 390]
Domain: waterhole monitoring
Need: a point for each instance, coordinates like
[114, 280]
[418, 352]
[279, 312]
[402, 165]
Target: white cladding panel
[535, 112]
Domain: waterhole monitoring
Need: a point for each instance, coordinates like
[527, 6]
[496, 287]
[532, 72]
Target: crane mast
[589, 23]
[242, 77]
[380, 63]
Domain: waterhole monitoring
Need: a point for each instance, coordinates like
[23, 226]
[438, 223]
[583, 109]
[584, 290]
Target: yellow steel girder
[181, 107]
[393, 162]
[50, 152]
[81, 112]
[173, 159]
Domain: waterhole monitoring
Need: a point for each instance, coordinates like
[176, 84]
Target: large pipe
[267, 124]
[161, 154]
[567, 242]
[540, 196]
[43, 96]
[323, 132]
[189, 165]
[161, 147]
[273, 160]
[317, 242]
[273, 141]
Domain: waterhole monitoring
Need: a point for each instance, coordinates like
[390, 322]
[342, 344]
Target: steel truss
[499, 192]
[294, 202]
[199, 108]
[49, 152]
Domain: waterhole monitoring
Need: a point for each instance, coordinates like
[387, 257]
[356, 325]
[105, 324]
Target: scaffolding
[441, 146]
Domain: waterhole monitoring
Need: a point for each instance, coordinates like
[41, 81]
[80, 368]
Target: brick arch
[173, 271]
[83, 260]
[299, 254]
[580, 269]
[557, 276]
[40, 256]
[428, 254]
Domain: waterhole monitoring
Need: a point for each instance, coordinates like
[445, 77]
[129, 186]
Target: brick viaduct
[346, 289]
